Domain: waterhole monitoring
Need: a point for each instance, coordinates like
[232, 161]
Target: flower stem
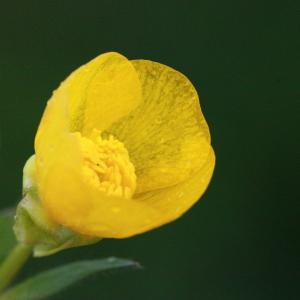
[13, 264]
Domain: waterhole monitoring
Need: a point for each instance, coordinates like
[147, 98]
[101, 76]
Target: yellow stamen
[107, 165]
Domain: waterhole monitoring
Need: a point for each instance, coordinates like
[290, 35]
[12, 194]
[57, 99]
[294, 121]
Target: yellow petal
[92, 97]
[167, 136]
[72, 201]
[153, 209]
[72, 197]
[170, 203]
[112, 91]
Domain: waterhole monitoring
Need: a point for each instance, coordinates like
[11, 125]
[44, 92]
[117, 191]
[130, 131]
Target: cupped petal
[72, 199]
[167, 135]
[92, 97]
[110, 91]
[73, 202]
[153, 209]
[171, 203]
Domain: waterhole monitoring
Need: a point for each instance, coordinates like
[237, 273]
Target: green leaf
[50, 282]
[7, 236]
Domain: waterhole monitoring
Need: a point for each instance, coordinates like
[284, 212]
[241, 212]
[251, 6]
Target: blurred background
[239, 241]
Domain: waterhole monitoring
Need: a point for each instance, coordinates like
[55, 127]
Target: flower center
[107, 165]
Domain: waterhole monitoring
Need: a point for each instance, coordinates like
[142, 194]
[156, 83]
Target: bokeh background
[239, 241]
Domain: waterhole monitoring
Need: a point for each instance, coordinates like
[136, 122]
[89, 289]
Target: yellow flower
[122, 148]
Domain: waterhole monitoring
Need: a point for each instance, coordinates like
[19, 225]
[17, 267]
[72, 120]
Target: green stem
[13, 264]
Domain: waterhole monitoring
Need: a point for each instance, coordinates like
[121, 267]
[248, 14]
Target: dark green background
[239, 241]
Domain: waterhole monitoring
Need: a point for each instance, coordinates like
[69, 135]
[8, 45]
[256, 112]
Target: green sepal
[34, 227]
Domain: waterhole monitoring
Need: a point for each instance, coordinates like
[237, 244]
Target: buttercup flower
[122, 148]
